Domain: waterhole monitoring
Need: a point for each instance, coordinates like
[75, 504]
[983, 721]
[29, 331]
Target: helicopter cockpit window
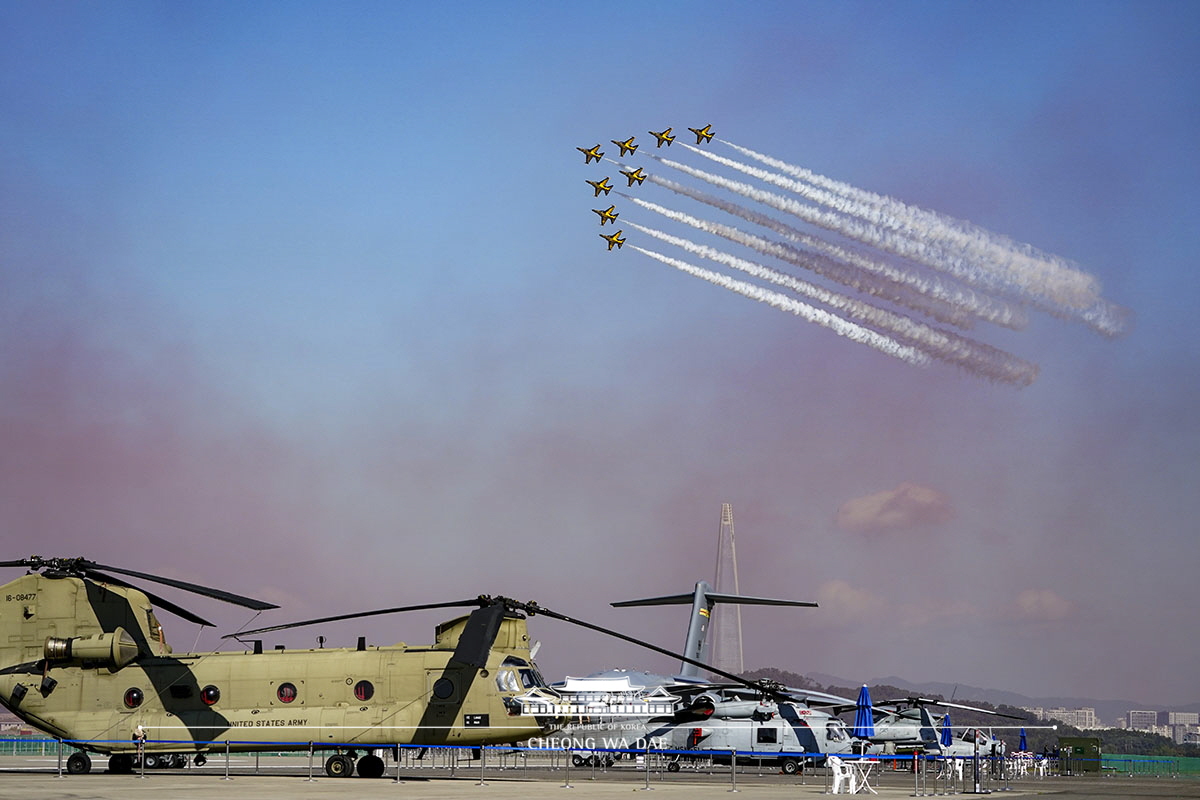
[506, 681]
[530, 677]
[835, 731]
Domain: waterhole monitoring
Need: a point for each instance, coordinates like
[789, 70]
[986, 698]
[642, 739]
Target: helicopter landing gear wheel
[370, 766]
[790, 766]
[673, 766]
[339, 766]
[200, 760]
[79, 763]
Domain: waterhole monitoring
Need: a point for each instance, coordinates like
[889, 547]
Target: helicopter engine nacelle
[713, 705]
[113, 650]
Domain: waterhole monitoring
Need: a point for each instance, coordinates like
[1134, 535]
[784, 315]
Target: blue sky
[307, 300]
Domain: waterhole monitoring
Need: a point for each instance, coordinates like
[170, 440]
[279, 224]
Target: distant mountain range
[1108, 711]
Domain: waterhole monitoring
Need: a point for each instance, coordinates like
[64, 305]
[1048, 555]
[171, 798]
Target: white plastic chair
[843, 773]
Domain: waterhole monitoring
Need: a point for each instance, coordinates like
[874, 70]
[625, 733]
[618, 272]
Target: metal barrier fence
[930, 774]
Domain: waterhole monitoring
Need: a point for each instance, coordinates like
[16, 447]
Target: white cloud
[1042, 604]
[909, 505]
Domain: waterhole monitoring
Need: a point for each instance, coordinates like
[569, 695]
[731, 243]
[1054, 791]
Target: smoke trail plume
[941, 226]
[841, 327]
[845, 275]
[1043, 274]
[972, 356]
[1099, 315]
[972, 253]
[960, 300]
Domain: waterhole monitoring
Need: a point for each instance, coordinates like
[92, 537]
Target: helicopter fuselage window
[443, 688]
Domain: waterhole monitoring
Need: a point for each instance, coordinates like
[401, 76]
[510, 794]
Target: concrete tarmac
[37, 778]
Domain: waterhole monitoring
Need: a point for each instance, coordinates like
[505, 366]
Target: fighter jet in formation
[607, 215]
[704, 134]
[590, 153]
[626, 146]
[635, 175]
[614, 239]
[638, 175]
[601, 186]
[663, 138]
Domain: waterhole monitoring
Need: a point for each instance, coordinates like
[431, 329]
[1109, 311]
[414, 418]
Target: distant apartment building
[1038, 712]
[1183, 727]
[1141, 720]
[1082, 718]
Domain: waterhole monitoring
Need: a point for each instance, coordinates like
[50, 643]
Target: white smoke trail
[942, 226]
[950, 347]
[844, 275]
[841, 327]
[838, 223]
[1101, 316]
[977, 305]
[945, 243]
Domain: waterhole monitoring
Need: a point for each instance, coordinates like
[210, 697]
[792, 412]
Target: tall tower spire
[727, 618]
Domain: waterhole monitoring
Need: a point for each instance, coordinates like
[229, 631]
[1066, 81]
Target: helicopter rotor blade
[159, 602]
[766, 687]
[928, 701]
[87, 571]
[216, 594]
[980, 710]
[338, 617]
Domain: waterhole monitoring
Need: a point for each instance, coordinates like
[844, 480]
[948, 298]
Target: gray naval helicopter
[621, 710]
[906, 725]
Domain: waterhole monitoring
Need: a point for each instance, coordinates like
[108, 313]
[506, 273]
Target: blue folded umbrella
[864, 720]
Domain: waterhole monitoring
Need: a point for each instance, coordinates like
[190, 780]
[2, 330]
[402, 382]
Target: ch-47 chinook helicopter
[83, 657]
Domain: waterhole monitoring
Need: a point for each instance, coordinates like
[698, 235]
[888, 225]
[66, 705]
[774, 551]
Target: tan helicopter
[83, 657]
